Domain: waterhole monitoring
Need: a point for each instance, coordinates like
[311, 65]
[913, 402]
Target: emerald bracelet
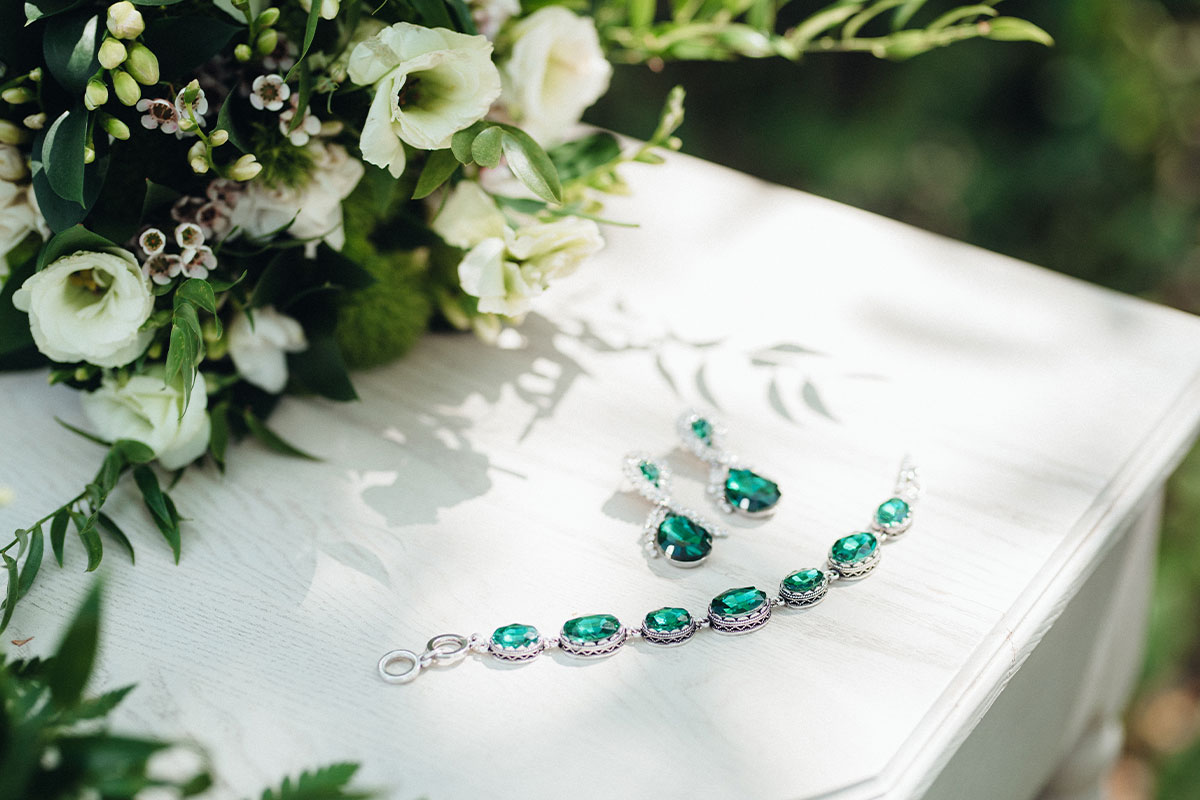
[733, 611]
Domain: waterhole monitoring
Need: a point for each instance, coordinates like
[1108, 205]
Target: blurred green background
[1084, 158]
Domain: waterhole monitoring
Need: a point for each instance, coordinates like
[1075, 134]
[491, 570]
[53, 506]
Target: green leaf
[227, 122]
[86, 527]
[327, 783]
[1014, 29]
[272, 439]
[72, 240]
[321, 368]
[440, 165]
[310, 30]
[33, 561]
[17, 350]
[460, 143]
[134, 452]
[11, 590]
[961, 13]
[47, 8]
[110, 472]
[59, 212]
[577, 158]
[68, 672]
[433, 14]
[198, 291]
[95, 707]
[485, 150]
[800, 36]
[62, 154]
[905, 12]
[58, 533]
[184, 42]
[303, 96]
[70, 43]
[114, 530]
[157, 503]
[529, 162]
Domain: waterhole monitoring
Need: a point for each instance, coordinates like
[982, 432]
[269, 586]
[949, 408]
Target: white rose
[429, 84]
[316, 206]
[555, 71]
[259, 350]
[89, 306]
[468, 217]
[146, 410]
[507, 273]
[12, 163]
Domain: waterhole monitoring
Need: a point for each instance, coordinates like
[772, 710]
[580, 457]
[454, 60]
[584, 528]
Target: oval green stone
[736, 602]
[590, 629]
[514, 636]
[666, 620]
[854, 548]
[681, 539]
[750, 491]
[892, 512]
[804, 580]
[703, 430]
[649, 472]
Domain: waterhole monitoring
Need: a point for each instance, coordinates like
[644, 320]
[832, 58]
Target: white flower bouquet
[205, 204]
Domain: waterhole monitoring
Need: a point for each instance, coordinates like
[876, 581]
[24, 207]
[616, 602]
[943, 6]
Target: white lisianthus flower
[468, 217]
[555, 71]
[507, 273]
[259, 349]
[89, 306]
[145, 409]
[316, 206]
[430, 83]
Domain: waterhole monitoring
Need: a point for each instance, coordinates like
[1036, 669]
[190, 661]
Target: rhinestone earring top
[672, 532]
[734, 486]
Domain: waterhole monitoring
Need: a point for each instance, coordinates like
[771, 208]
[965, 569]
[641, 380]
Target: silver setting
[670, 638]
[718, 473]
[656, 518]
[805, 599]
[599, 649]
[742, 623]
[526, 652]
[858, 569]
[893, 531]
[712, 451]
[908, 481]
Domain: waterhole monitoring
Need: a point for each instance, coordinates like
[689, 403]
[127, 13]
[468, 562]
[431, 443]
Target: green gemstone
[511, 637]
[855, 548]
[681, 539]
[667, 620]
[736, 602]
[703, 430]
[590, 629]
[892, 513]
[649, 471]
[804, 581]
[750, 491]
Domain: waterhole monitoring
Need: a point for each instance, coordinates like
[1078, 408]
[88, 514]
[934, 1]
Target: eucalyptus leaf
[58, 533]
[161, 511]
[86, 528]
[110, 527]
[530, 164]
[11, 590]
[33, 561]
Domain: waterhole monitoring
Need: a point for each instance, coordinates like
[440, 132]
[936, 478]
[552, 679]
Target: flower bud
[89, 155]
[245, 168]
[95, 95]
[198, 150]
[112, 53]
[125, 21]
[12, 134]
[186, 124]
[142, 64]
[16, 95]
[114, 127]
[218, 137]
[199, 165]
[35, 122]
[267, 40]
[128, 92]
[190, 93]
[267, 18]
[242, 52]
[35, 74]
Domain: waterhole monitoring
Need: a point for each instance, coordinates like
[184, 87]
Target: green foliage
[484, 142]
[56, 745]
[327, 783]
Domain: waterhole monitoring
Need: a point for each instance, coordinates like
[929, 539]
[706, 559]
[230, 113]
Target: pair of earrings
[678, 534]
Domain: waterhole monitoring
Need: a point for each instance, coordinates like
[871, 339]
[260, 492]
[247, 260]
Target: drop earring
[672, 532]
[733, 485]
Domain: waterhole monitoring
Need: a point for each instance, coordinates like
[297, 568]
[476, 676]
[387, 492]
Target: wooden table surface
[474, 486]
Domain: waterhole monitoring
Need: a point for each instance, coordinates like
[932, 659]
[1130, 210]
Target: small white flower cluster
[270, 93]
[213, 212]
[194, 259]
[174, 117]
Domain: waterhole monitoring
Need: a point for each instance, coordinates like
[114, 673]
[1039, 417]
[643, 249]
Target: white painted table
[473, 487]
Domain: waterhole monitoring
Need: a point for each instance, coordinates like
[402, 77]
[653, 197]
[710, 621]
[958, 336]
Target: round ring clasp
[407, 657]
[447, 648]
